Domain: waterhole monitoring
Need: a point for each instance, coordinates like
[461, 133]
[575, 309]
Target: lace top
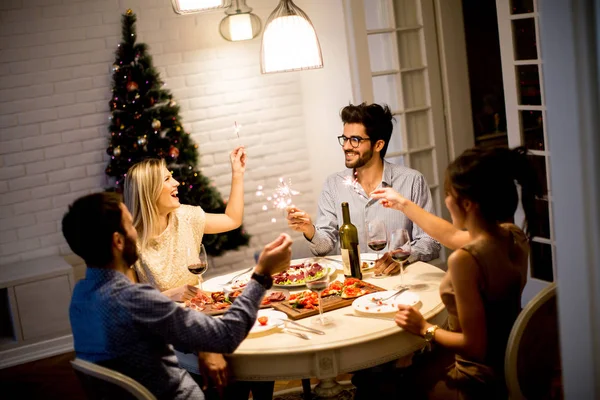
[163, 264]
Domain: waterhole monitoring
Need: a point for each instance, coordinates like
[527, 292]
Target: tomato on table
[263, 320]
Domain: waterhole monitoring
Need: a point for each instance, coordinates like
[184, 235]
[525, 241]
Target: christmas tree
[145, 123]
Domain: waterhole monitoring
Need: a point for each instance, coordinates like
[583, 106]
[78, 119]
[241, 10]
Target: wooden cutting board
[329, 303]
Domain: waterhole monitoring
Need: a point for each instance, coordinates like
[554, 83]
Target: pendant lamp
[195, 6]
[289, 41]
[240, 23]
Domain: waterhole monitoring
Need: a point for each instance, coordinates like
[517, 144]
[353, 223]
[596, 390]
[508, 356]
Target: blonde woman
[170, 234]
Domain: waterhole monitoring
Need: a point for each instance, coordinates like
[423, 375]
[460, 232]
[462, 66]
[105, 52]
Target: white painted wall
[55, 59]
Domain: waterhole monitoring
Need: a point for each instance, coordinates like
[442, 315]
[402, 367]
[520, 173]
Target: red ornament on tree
[174, 152]
[132, 86]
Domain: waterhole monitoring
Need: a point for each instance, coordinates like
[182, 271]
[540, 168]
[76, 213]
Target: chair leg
[306, 391]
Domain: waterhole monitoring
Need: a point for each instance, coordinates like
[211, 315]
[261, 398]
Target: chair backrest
[103, 383]
[532, 365]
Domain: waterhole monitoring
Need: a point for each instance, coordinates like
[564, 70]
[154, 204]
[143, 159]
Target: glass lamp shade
[242, 26]
[289, 41]
[195, 6]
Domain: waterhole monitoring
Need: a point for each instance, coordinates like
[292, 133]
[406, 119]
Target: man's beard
[130, 253]
[362, 160]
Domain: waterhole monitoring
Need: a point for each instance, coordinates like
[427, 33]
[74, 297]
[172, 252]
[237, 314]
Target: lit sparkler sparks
[352, 182]
[236, 129]
[281, 197]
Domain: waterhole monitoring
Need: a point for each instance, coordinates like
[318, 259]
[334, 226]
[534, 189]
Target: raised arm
[436, 227]
[234, 212]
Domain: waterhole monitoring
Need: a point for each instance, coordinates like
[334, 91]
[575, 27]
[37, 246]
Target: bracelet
[265, 280]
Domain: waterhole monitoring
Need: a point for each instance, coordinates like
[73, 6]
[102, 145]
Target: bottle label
[346, 261]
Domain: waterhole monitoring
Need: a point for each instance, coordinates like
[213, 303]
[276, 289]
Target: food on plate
[270, 297]
[208, 302]
[353, 288]
[334, 288]
[240, 282]
[296, 274]
[263, 320]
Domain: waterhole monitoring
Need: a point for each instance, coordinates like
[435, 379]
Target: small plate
[218, 283]
[370, 259]
[365, 305]
[275, 320]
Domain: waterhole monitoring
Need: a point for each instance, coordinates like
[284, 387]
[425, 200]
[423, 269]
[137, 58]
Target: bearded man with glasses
[367, 132]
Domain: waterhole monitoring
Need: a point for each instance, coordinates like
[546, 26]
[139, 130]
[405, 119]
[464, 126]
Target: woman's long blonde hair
[143, 185]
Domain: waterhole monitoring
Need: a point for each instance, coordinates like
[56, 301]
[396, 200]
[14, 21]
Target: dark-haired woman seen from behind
[486, 274]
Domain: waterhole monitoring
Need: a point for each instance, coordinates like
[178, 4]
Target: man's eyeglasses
[355, 141]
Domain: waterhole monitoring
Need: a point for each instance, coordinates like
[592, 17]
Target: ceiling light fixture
[289, 41]
[196, 6]
[240, 23]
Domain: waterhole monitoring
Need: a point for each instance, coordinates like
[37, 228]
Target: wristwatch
[430, 333]
[265, 280]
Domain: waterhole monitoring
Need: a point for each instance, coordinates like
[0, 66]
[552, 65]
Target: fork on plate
[378, 299]
[238, 275]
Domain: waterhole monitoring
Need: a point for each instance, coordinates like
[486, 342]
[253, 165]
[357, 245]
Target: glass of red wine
[377, 235]
[200, 266]
[400, 250]
[318, 285]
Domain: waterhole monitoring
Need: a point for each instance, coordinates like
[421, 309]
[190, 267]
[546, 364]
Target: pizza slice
[351, 292]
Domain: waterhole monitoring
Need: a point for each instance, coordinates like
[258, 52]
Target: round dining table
[352, 342]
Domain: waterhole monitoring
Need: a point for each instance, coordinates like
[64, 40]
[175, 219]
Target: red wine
[377, 245]
[400, 255]
[198, 268]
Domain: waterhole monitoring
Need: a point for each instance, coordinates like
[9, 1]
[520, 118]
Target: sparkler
[236, 129]
[281, 196]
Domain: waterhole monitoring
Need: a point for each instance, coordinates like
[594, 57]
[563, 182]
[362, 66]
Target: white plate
[330, 265]
[274, 321]
[370, 259]
[218, 283]
[365, 305]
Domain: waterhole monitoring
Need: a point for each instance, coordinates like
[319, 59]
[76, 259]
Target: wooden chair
[101, 383]
[532, 364]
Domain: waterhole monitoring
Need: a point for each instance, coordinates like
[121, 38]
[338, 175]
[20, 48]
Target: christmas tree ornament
[156, 124]
[142, 140]
[174, 152]
[117, 151]
[132, 86]
[121, 127]
[115, 68]
[178, 129]
[129, 12]
[172, 103]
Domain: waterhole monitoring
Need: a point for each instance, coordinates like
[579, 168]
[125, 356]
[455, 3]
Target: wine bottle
[349, 245]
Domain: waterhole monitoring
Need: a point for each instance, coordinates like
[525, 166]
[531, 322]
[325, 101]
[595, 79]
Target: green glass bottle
[349, 245]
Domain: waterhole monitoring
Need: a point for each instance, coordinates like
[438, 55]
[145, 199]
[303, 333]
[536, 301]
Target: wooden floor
[53, 378]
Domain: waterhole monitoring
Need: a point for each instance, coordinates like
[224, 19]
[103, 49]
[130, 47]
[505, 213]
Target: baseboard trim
[36, 351]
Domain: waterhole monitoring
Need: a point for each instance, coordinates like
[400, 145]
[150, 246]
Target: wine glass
[376, 235]
[199, 267]
[400, 250]
[318, 285]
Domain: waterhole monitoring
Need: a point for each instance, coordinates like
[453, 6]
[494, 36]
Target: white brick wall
[55, 59]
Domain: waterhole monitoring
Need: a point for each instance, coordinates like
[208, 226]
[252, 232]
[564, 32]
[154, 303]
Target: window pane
[532, 129]
[396, 141]
[541, 227]
[423, 162]
[409, 49]
[385, 90]
[417, 129]
[541, 261]
[521, 6]
[378, 14]
[524, 38]
[539, 164]
[381, 52]
[413, 89]
[407, 13]
[528, 85]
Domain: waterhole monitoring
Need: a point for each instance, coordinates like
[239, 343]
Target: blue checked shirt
[408, 182]
[131, 327]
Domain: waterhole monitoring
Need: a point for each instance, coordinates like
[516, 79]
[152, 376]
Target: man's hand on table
[275, 256]
[213, 368]
[299, 221]
[182, 293]
[386, 265]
